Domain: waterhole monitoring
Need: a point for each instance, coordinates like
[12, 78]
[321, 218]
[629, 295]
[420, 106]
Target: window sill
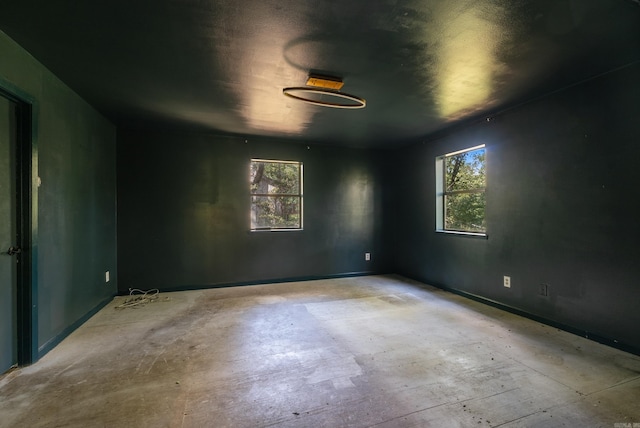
[274, 230]
[467, 234]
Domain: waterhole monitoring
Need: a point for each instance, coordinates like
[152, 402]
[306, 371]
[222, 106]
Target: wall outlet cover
[544, 290]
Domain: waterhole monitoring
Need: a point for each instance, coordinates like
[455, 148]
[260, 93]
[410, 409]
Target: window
[460, 193]
[276, 195]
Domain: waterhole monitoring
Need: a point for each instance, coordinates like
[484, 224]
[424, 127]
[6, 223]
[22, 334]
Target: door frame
[27, 182]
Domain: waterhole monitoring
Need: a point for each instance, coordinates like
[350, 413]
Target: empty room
[404, 213]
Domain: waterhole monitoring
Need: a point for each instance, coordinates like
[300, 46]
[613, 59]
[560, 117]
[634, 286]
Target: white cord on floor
[139, 297]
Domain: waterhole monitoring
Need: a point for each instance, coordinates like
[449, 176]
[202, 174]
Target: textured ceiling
[221, 65]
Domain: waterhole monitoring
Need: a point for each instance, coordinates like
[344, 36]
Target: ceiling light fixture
[319, 88]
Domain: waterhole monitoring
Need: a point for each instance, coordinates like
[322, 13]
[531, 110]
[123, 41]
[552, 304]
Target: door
[8, 236]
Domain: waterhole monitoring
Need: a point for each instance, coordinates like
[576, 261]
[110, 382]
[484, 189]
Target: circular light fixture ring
[360, 102]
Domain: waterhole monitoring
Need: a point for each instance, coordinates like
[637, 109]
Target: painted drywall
[183, 212]
[76, 217]
[562, 177]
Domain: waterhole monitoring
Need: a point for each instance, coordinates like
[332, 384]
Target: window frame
[441, 193]
[299, 195]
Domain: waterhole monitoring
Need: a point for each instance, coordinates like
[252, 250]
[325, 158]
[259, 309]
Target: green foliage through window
[463, 191]
[276, 194]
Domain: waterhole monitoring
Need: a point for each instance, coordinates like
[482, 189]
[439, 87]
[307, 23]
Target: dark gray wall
[183, 212]
[75, 222]
[561, 209]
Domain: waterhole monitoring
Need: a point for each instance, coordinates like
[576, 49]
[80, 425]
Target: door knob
[14, 250]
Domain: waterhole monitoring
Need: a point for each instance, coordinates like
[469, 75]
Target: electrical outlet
[367, 256]
[106, 276]
[544, 290]
[507, 281]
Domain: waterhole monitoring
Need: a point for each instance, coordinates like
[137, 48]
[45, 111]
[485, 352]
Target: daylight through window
[276, 194]
[460, 196]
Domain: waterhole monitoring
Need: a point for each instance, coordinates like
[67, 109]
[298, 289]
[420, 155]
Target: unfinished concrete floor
[356, 352]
